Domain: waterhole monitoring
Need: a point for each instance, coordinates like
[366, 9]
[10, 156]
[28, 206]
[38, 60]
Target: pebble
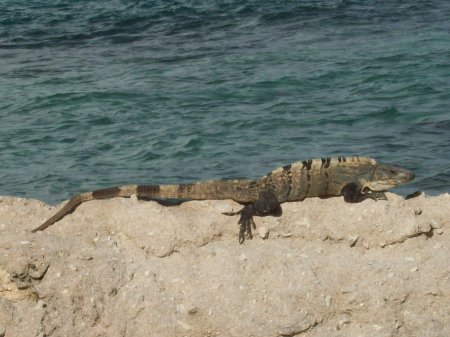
[417, 211]
[414, 269]
[41, 304]
[352, 240]
[85, 256]
[192, 310]
[344, 320]
[294, 329]
[324, 237]
[434, 292]
[186, 309]
[243, 257]
[263, 232]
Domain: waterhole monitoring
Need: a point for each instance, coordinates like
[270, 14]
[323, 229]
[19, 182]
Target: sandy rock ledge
[125, 267]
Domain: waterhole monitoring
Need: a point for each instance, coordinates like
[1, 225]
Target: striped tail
[214, 189]
[72, 204]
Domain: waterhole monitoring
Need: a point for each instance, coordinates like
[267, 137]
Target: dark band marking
[307, 164]
[323, 161]
[339, 159]
[308, 186]
[287, 168]
[148, 190]
[287, 171]
[106, 193]
[327, 165]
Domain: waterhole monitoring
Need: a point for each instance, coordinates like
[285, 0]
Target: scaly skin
[355, 178]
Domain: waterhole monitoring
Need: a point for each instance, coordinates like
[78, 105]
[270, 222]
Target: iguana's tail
[238, 190]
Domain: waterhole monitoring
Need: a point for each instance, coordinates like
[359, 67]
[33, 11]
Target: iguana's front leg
[354, 193]
[266, 204]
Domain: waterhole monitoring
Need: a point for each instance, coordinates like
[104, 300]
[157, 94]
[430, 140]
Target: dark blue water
[102, 93]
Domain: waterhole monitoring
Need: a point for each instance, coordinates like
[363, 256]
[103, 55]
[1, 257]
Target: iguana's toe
[246, 223]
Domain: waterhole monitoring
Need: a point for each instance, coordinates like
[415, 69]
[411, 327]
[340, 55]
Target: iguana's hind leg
[266, 204]
[354, 193]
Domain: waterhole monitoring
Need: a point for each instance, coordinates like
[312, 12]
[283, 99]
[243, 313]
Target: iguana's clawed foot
[267, 204]
[245, 229]
[245, 222]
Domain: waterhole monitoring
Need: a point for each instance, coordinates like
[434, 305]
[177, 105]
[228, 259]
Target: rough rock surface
[124, 267]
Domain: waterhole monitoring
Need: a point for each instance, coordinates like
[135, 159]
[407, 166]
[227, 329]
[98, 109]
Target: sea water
[102, 93]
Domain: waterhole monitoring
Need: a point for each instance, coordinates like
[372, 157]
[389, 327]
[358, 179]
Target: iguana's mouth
[380, 186]
[377, 186]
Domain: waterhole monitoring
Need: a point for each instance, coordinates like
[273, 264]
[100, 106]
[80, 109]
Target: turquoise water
[102, 93]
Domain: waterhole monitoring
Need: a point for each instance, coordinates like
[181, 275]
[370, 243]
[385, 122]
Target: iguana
[354, 178]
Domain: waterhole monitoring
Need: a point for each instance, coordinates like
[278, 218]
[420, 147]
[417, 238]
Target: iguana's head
[388, 176]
